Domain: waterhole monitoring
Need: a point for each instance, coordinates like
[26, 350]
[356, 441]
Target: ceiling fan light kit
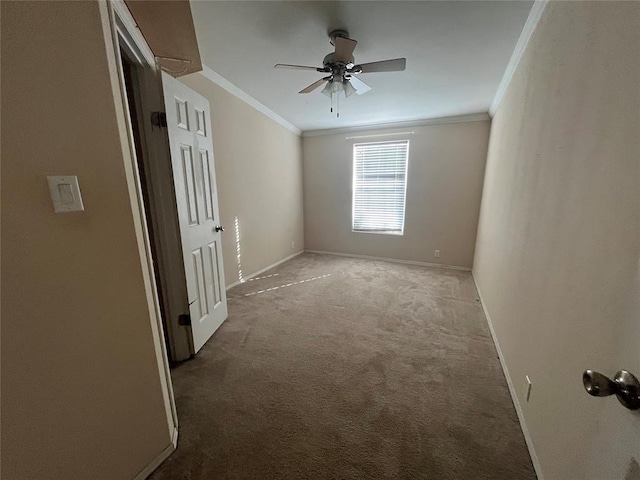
[342, 70]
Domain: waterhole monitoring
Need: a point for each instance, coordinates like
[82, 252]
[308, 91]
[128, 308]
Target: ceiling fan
[342, 70]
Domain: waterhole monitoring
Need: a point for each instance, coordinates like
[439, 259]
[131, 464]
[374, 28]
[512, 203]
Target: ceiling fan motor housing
[331, 65]
[337, 33]
[337, 68]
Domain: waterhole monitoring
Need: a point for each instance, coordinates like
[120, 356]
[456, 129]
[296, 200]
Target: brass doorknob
[624, 385]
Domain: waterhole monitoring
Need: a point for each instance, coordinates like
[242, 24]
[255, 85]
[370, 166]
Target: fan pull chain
[337, 95]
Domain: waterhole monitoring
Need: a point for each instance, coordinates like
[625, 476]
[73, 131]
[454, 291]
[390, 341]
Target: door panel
[215, 284]
[201, 126]
[208, 189]
[200, 283]
[190, 185]
[194, 178]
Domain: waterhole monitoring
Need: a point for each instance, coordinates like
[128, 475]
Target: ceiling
[457, 52]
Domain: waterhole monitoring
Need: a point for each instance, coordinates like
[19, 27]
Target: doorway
[149, 138]
[171, 139]
[132, 91]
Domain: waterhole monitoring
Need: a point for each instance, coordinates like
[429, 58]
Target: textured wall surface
[557, 257]
[81, 391]
[444, 185]
[259, 179]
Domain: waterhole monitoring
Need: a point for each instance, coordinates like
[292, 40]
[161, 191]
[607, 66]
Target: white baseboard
[148, 470]
[512, 391]
[392, 260]
[174, 438]
[262, 270]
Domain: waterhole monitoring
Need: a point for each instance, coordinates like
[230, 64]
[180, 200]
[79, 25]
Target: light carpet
[340, 368]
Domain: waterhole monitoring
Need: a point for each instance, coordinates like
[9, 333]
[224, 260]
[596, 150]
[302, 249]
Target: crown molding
[529, 27]
[245, 97]
[248, 99]
[474, 117]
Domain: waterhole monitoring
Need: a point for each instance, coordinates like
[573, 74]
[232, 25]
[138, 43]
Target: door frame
[121, 32]
[162, 216]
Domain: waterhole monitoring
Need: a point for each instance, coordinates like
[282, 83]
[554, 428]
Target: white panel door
[189, 128]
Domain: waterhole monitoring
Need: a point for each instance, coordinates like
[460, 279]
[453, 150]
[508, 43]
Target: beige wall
[259, 178]
[558, 249]
[81, 390]
[446, 167]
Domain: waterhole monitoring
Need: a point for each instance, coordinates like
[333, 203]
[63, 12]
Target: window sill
[395, 234]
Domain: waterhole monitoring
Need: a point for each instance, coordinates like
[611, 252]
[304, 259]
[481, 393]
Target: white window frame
[353, 189]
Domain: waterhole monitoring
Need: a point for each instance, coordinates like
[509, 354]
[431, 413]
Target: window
[379, 186]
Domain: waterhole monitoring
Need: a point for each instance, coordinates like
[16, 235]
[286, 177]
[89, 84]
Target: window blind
[379, 186]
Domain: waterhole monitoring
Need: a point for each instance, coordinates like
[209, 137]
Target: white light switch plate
[65, 193]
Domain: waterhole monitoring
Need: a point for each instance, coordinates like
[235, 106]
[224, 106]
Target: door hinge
[184, 320]
[159, 119]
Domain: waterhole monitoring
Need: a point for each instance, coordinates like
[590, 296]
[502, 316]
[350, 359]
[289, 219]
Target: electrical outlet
[293, 245]
[436, 254]
[527, 388]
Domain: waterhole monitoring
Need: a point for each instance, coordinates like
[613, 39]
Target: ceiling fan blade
[395, 65]
[297, 67]
[313, 86]
[344, 49]
[359, 85]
